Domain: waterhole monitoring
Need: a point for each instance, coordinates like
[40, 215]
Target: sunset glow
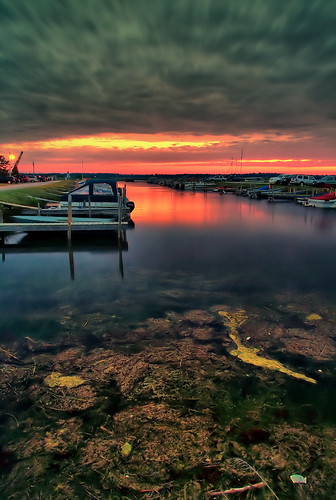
[129, 142]
[168, 153]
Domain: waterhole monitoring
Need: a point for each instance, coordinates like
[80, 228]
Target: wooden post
[69, 216]
[119, 215]
[124, 202]
[71, 259]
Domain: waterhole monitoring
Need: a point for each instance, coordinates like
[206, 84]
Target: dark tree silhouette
[4, 166]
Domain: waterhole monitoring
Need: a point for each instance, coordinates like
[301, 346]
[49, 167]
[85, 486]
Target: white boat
[95, 197]
[327, 200]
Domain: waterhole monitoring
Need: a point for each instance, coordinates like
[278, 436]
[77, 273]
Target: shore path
[25, 185]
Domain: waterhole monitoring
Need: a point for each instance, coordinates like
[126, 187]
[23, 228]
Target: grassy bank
[28, 195]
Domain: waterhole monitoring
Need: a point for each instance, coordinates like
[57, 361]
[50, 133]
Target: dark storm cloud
[71, 67]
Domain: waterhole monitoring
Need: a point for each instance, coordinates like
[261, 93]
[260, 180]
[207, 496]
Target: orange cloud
[144, 142]
[173, 153]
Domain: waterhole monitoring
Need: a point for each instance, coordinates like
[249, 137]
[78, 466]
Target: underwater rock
[198, 317]
[253, 435]
[6, 459]
[69, 359]
[202, 333]
[317, 345]
[127, 371]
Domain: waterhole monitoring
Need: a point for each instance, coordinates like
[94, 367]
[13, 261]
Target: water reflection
[25, 243]
[161, 206]
[225, 302]
[188, 250]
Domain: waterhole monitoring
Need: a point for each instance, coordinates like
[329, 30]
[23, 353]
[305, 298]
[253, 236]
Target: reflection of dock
[54, 242]
[99, 225]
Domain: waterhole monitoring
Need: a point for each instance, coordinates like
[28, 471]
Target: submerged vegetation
[166, 409]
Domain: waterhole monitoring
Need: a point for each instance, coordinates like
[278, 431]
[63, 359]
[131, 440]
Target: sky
[169, 86]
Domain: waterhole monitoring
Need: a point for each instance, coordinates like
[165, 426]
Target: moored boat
[93, 198]
[327, 200]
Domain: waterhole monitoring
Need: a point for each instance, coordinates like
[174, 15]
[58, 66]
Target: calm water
[186, 251]
[191, 258]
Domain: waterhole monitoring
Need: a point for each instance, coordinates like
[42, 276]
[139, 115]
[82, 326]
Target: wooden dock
[70, 223]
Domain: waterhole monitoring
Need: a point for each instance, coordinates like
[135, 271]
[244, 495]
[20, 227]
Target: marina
[167, 226]
[179, 324]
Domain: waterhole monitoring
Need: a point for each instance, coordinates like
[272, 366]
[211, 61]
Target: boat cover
[325, 197]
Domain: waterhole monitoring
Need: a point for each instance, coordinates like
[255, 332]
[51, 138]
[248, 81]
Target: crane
[16, 163]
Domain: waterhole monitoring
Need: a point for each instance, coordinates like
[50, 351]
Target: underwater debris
[243, 489]
[298, 479]
[9, 354]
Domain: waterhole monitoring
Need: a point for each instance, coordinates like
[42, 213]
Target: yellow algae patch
[126, 449]
[56, 379]
[234, 319]
[249, 354]
[313, 317]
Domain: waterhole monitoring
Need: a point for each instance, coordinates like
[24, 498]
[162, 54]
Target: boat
[262, 192]
[327, 200]
[197, 186]
[93, 198]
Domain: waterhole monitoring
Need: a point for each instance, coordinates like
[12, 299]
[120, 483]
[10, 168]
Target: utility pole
[33, 167]
[241, 161]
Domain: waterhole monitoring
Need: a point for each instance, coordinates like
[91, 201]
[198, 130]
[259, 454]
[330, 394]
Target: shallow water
[186, 251]
[206, 337]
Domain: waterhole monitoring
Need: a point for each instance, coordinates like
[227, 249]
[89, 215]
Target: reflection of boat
[95, 197]
[327, 200]
[55, 242]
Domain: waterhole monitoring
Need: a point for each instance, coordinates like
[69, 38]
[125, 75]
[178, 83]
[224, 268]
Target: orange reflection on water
[164, 206]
